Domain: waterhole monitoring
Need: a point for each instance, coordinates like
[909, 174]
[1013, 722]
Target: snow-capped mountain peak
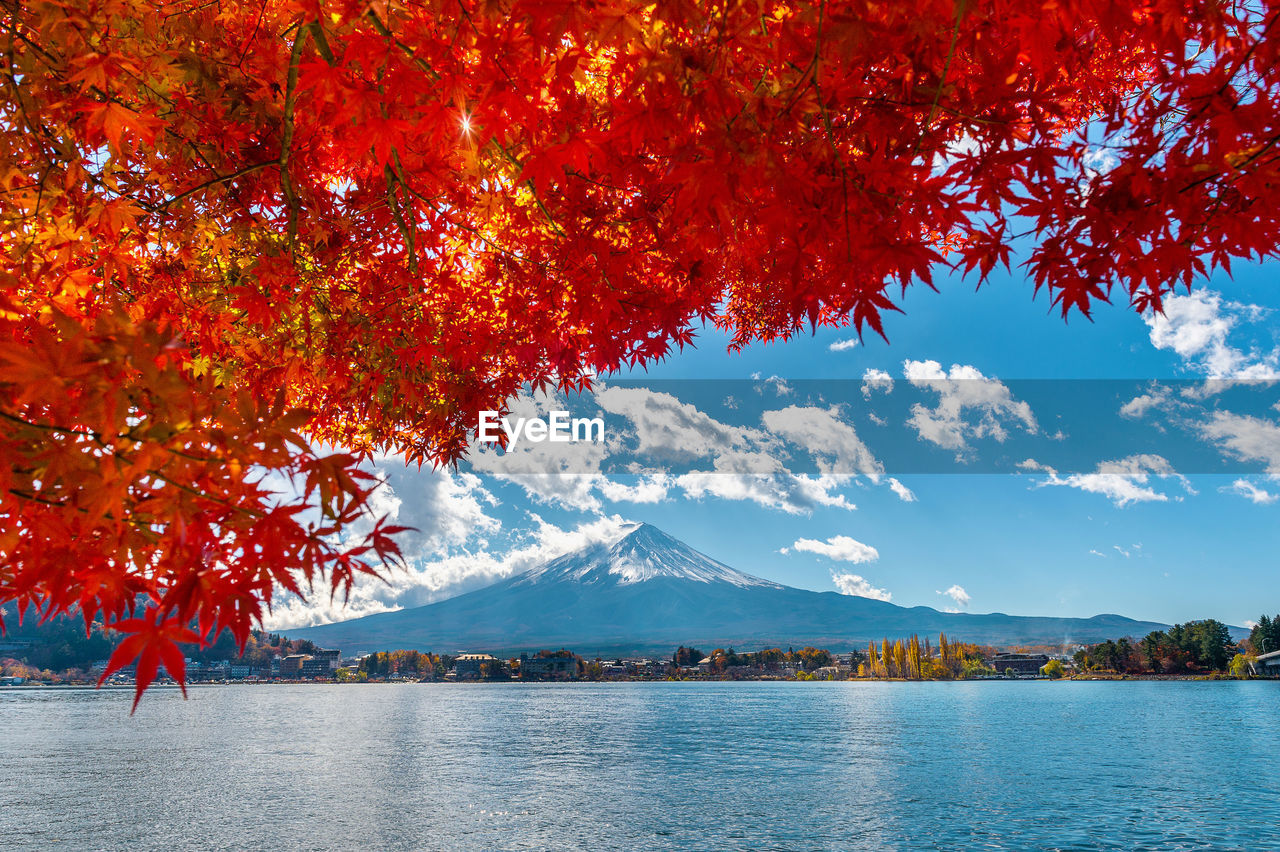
[641, 552]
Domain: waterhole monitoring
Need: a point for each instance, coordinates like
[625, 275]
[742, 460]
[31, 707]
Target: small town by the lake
[1196, 650]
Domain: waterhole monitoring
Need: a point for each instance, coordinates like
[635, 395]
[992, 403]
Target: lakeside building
[550, 668]
[330, 657]
[313, 667]
[291, 666]
[1021, 664]
[322, 663]
[469, 666]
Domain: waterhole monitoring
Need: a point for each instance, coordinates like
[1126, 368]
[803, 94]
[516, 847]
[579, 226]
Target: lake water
[785, 766]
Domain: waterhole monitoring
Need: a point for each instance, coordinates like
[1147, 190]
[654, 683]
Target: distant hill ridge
[646, 592]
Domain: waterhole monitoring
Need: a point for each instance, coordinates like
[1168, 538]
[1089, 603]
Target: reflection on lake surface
[787, 766]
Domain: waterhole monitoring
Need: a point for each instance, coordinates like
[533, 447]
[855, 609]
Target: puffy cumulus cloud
[832, 442]
[795, 494]
[650, 488]
[841, 548]
[444, 509]
[1124, 481]
[574, 491]
[959, 597]
[970, 406]
[741, 462]
[728, 461]
[874, 381]
[1246, 438]
[853, 584]
[1197, 326]
[1157, 397]
[667, 430]
[429, 580]
[844, 345]
[1251, 492]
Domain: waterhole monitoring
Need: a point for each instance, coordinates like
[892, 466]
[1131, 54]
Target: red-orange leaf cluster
[235, 231]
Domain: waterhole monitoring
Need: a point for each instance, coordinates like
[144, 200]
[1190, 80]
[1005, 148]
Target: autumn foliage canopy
[238, 235]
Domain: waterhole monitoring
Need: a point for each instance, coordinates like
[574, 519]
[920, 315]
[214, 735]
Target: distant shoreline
[129, 687]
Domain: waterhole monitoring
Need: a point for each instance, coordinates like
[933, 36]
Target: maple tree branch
[102, 441]
[385, 31]
[942, 81]
[239, 173]
[43, 501]
[532, 189]
[286, 137]
[322, 43]
[244, 51]
[406, 231]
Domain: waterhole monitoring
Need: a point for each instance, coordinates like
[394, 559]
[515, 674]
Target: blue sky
[1117, 530]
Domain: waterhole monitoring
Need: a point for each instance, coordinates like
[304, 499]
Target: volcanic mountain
[646, 592]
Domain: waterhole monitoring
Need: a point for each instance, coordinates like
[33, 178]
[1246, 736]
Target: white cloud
[840, 547]
[964, 389]
[668, 430]
[652, 488]
[1125, 481]
[1246, 438]
[1099, 160]
[779, 385]
[904, 493]
[1118, 549]
[444, 509]
[844, 345]
[876, 380]
[830, 440]
[1197, 326]
[742, 463]
[957, 594]
[1252, 492]
[852, 584]
[1098, 553]
[795, 494]
[728, 462]
[1159, 397]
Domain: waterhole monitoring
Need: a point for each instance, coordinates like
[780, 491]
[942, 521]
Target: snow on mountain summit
[641, 552]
